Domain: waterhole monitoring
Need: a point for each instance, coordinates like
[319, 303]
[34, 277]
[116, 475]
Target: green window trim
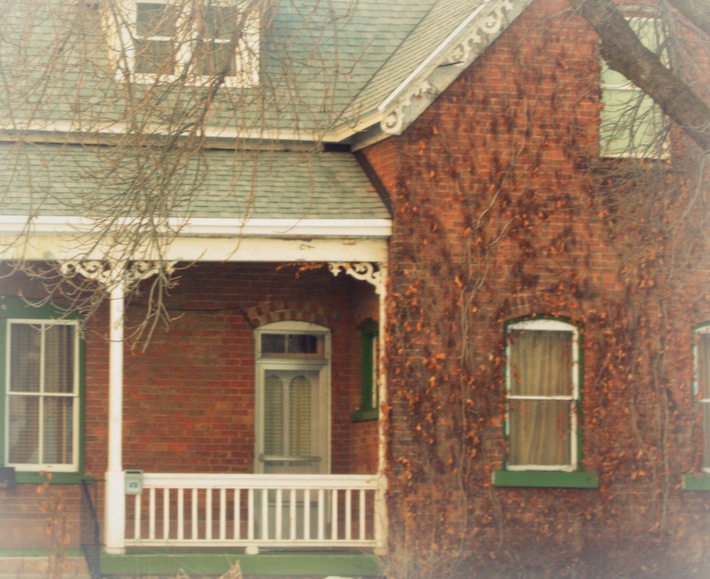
[546, 479]
[12, 308]
[368, 410]
[696, 482]
[58, 478]
[528, 476]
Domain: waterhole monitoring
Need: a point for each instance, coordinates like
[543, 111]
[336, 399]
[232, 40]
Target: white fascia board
[192, 240]
[59, 247]
[211, 227]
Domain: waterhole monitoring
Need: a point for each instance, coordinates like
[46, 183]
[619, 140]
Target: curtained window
[42, 395]
[702, 388]
[542, 395]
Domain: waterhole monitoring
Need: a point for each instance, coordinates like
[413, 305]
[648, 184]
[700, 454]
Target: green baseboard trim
[58, 478]
[696, 482]
[265, 564]
[546, 479]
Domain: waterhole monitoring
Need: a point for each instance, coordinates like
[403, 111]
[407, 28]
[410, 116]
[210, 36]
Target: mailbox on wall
[7, 478]
[134, 482]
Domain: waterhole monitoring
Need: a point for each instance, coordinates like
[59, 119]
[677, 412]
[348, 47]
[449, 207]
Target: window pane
[58, 430]
[215, 58]
[220, 22]
[302, 344]
[300, 416]
[539, 432]
[24, 430]
[704, 366]
[273, 344]
[59, 359]
[155, 57]
[25, 357]
[155, 20]
[540, 363]
[631, 121]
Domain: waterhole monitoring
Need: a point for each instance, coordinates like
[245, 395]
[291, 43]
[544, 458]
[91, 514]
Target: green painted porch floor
[266, 563]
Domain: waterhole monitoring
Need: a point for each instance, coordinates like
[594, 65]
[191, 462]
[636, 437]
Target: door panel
[292, 428]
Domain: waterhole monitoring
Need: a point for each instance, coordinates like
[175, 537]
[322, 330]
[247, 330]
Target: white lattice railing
[253, 510]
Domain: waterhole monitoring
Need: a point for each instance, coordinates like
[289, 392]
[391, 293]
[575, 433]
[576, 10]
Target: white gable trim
[448, 60]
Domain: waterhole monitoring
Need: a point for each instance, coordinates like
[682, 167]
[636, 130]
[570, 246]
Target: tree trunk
[623, 52]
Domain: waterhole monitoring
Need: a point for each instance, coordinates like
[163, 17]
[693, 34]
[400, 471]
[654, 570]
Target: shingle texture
[47, 180]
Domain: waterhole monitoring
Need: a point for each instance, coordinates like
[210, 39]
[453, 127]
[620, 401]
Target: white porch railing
[254, 510]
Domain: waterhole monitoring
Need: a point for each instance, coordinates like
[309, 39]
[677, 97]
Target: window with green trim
[41, 388]
[542, 395]
[632, 124]
[369, 402]
[543, 383]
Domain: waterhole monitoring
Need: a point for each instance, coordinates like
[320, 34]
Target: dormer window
[194, 41]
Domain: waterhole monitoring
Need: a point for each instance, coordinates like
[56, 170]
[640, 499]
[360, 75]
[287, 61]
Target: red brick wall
[495, 217]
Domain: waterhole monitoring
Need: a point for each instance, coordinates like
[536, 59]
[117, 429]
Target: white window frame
[75, 395]
[606, 142]
[121, 29]
[697, 389]
[551, 326]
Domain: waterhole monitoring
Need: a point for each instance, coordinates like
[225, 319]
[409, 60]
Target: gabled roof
[345, 71]
[447, 39]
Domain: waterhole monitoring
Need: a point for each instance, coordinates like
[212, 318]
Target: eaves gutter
[206, 227]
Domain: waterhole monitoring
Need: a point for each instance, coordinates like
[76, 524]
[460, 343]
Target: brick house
[424, 327]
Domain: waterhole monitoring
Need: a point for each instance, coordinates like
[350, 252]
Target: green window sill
[362, 415]
[546, 479]
[696, 482]
[58, 478]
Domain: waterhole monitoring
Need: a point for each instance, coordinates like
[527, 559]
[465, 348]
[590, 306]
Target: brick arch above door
[290, 310]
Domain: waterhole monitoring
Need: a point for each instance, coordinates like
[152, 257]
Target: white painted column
[381, 504]
[115, 498]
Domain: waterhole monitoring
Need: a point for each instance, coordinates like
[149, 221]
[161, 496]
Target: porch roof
[43, 180]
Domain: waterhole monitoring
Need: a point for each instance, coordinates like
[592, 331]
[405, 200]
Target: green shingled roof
[53, 180]
[324, 67]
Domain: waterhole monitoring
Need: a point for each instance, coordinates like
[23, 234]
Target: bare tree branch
[624, 52]
[697, 11]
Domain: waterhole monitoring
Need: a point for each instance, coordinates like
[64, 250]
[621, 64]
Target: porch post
[117, 276]
[377, 277]
[115, 498]
[381, 505]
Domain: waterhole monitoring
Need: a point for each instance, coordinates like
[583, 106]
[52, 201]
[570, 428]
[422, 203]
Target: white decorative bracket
[110, 273]
[363, 271]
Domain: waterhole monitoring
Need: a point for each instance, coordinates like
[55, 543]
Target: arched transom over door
[292, 398]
